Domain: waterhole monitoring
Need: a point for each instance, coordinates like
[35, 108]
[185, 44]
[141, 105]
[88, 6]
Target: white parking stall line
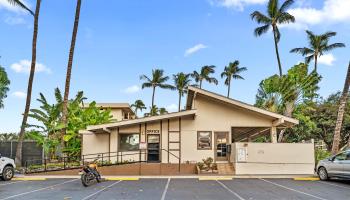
[93, 194]
[37, 190]
[10, 183]
[294, 190]
[165, 189]
[333, 184]
[231, 191]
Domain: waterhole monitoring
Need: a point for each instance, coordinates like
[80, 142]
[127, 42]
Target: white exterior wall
[274, 158]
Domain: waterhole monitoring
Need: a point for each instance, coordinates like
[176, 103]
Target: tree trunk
[229, 88]
[315, 68]
[69, 71]
[276, 49]
[154, 90]
[18, 158]
[288, 112]
[341, 110]
[180, 101]
[200, 84]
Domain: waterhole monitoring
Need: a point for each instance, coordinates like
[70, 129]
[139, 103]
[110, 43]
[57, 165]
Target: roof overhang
[106, 128]
[279, 120]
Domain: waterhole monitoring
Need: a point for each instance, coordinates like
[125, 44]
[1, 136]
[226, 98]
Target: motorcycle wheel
[86, 180]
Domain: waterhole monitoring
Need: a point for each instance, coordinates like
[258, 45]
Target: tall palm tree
[275, 15]
[69, 71]
[341, 111]
[18, 159]
[181, 81]
[318, 44]
[138, 105]
[204, 74]
[157, 80]
[232, 71]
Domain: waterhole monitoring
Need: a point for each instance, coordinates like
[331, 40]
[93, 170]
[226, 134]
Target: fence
[30, 150]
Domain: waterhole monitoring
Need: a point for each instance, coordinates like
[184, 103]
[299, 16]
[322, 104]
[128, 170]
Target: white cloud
[4, 4]
[14, 20]
[194, 49]
[236, 4]
[132, 89]
[172, 108]
[333, 11]
[19, 94]
[327, 59]
[23, 66]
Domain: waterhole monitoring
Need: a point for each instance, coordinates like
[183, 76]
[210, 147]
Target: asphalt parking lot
[241, 189]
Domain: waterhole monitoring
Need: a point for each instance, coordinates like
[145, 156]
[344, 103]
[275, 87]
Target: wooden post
[273, 134]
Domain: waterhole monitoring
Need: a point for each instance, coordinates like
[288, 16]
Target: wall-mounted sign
[142, 145]
[242, 154]
[152, 131]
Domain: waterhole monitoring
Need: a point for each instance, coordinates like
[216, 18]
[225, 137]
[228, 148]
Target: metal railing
[102, 159]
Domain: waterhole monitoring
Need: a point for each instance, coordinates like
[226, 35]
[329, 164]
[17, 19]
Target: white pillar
[273, 134]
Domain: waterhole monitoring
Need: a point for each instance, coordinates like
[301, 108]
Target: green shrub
[321, 154]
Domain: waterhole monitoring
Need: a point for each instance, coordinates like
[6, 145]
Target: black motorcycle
[90, 174]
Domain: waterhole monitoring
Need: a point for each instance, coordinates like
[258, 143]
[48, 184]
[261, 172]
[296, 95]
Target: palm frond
[333, 46]
[260, 18]
[286, 18]
[308, 59]
[286, 5]
[303, 51]
[327, 35]
[21, 5]
[261, 30]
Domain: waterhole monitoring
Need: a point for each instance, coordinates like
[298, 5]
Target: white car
[7, 168]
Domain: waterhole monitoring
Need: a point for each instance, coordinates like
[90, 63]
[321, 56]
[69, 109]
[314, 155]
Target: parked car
[335, 166]
[7, 168]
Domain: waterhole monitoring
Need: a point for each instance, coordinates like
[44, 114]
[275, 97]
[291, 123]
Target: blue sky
[120, 40]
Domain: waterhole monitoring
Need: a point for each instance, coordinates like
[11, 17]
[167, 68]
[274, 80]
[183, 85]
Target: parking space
[241, 189]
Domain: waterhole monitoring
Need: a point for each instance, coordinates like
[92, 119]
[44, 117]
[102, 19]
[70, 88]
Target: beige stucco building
[210, 126]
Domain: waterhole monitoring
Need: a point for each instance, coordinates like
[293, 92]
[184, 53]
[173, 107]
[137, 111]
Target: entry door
[153, 145]
[221, 141]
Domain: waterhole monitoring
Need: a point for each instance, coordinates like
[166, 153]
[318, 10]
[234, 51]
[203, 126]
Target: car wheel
[7, 173]
[322, 173]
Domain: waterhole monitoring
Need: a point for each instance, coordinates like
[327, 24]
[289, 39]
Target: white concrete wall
[275, 158]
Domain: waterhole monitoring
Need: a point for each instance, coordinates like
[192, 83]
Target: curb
[121, 179]
[215, 178]
[28, 179]
[307, 179]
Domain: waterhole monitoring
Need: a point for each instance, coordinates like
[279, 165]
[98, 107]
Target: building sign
[242, 155]
[142, 145]
[152, 131]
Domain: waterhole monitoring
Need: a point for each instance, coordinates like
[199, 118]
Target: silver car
[335, 166]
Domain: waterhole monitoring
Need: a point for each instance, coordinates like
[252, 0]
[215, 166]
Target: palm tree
[158, 80]
[318, 44]
[204, 75]
[18, 159]
[162, 111]
[69, 71]
[182, 81]
[275, 15]
[4, 86]
[341, 110]
[232, 71]
[138, 105]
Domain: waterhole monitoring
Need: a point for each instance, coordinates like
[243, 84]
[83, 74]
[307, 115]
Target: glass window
[129, 142]
[204, 140]
[341, 156]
